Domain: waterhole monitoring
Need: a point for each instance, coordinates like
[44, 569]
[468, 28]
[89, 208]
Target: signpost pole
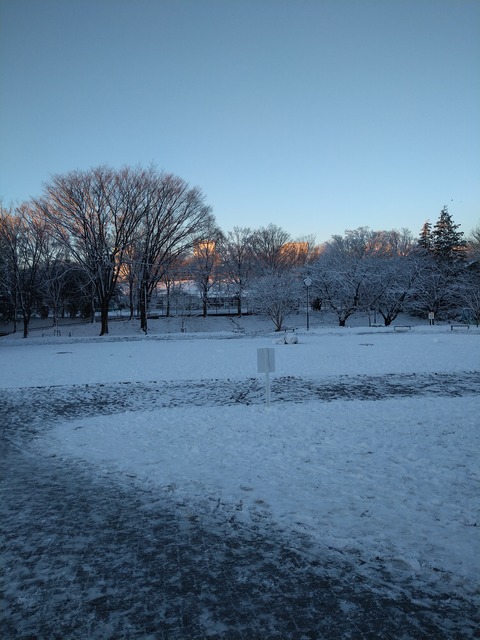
[266, 364]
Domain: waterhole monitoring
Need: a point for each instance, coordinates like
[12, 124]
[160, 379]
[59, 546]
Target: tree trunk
[130, 300]
[55, 315]
[15, 303]
[204, 305]
[104, 318]
[143, 308]
[167, 308]
[26, 314]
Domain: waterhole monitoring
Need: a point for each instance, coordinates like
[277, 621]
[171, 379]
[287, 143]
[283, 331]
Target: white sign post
[266, 364]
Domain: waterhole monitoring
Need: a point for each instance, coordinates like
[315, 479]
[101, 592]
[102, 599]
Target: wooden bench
[402, 327]
[459, 326]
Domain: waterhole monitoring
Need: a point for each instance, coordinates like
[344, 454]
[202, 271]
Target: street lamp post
[146, 309]
[308, 283]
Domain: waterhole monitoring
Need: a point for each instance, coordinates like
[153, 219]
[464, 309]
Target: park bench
[459, 326]
[402, 327]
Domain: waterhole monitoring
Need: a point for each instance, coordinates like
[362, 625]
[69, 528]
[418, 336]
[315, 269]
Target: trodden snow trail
[87, 556]
[76, 401]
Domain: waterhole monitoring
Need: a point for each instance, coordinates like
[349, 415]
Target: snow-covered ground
[396, 479]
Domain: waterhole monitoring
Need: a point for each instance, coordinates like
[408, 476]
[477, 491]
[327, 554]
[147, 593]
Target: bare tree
[473, 247]
[400, 242]
[7, 288]
[24, 239]
[95, 214]
[238, 261]
[75, 291]
[204, 265]
[56, 273]
[268, 245]
[176, 219]
[299, 253]
[131, 274]
[173, 281]
[8, 270]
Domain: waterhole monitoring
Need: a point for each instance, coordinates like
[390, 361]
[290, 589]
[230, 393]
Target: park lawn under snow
[397, 479]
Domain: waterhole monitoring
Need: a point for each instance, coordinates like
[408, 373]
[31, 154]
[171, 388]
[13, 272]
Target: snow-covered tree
[339, 281]
[449, 244]
[395, 279]
[468, 288]
[277, 294]
[363, 242]
[425, 240]
[358, 243]
[365, 270]
[435, 289]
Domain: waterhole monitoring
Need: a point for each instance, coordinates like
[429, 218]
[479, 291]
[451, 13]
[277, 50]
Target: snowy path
[37, 404]
[86, 556]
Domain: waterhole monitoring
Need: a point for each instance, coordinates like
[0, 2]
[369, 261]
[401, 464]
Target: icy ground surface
[178, 506]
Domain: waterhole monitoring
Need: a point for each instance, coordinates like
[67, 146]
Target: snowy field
[394, 480]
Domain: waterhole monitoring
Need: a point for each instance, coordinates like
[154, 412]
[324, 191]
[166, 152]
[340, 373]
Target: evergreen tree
[448, 243]
[425, 239]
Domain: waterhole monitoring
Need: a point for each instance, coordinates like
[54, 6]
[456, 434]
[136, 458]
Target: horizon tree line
[94, 232]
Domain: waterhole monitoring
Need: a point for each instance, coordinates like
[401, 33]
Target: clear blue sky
[315, 115]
